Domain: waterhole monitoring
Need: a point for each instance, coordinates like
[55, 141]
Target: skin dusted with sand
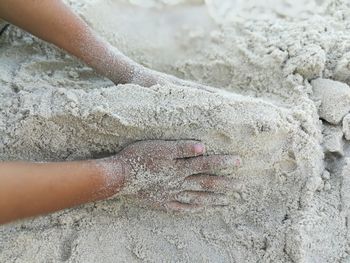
[73, 35]
[68, 31]
[284, 208]
[173, 175]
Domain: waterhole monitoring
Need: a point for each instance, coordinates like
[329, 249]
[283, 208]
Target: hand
[146, 77]
[174, 175]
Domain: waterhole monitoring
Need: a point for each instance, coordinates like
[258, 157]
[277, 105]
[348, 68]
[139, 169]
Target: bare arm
[168, 175]
[29, 189]
[55, 22]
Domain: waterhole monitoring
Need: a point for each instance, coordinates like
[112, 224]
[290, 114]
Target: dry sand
[283, 101]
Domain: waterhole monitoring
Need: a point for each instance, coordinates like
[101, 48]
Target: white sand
[262, 57]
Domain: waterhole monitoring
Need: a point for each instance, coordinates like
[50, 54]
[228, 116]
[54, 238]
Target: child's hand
[146, 77]
[174, 175]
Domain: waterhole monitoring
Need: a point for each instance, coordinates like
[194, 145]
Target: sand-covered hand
[175, 175]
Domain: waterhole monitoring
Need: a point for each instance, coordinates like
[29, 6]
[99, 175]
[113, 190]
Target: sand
[281, 70]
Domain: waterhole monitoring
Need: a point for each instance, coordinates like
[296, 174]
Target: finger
[211, 183]
[202, 198]
[178, 207]
[187, 149]
[195, 85]
[205, 88]
[173, 149]
[209, 164]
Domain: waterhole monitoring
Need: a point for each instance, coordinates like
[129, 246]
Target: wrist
[113, 174]
[121, 69]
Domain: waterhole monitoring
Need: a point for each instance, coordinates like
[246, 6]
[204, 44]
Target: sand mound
[273, 73]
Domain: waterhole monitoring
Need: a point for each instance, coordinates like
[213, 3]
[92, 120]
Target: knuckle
[206, 163]
[215, 162]
[183, 165]
[162, 145]
[181, 150]
[196, 198]
[179, 147]
[206, 166]
[224, 160]
[186, 147]
[208, 183]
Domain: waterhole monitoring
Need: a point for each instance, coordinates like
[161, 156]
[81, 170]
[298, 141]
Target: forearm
[53, 21]
[29, 189]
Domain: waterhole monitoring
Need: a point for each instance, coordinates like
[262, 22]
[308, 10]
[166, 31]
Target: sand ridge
[281, 105]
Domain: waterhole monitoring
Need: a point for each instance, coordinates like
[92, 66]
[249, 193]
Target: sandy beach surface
[282, 73]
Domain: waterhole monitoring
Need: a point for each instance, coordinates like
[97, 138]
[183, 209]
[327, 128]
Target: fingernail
[199, 148]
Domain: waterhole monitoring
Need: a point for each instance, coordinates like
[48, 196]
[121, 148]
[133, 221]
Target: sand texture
[282, 103]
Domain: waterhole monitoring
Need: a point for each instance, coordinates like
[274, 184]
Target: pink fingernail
[199, 148]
